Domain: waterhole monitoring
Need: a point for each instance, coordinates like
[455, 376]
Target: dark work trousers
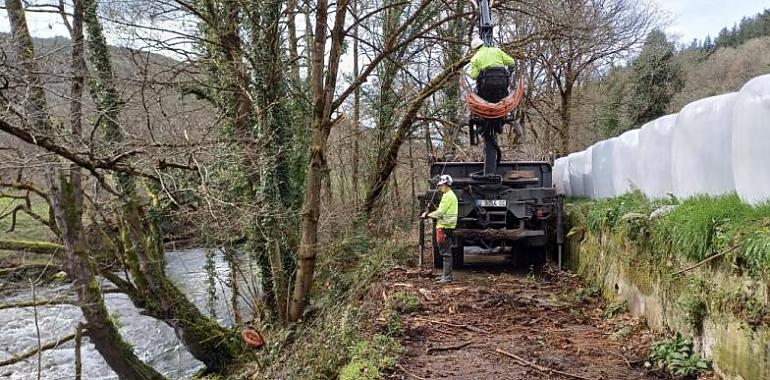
[492, 84]
[445, 247]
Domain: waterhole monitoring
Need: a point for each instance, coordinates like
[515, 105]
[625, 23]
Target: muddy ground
[549, 321]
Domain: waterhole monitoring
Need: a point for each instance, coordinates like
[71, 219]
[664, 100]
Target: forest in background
[666, 76]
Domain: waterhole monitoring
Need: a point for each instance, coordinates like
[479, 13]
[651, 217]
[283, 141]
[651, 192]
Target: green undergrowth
[690, 230]
[704, 262]
[368, 358]
[676, 356]
[664, 243]
[339, 336]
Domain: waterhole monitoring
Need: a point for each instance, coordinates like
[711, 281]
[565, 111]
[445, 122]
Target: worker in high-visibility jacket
[446, 221]
[489, 67]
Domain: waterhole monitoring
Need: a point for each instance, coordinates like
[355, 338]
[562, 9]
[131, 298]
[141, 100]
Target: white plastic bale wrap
[565, 178]
[602, 168]
[558, 175]
[625, 154]
[575, 174]
[701, 149]
[751, 141]
[586, 172]
[654, 162]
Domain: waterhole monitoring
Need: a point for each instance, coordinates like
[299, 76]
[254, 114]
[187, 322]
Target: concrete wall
[738, 349]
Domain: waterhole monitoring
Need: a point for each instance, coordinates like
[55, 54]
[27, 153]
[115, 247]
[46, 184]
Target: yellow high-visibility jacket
[446, 213]
[487, 57]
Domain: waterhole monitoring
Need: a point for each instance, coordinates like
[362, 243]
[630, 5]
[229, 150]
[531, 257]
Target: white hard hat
[445, 179]
[476, 43]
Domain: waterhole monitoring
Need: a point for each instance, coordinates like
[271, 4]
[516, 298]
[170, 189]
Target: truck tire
[458, 254]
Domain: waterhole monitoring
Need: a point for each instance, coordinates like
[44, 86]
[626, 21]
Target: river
[153, 341]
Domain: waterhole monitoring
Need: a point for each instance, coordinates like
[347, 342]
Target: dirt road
[494, 322]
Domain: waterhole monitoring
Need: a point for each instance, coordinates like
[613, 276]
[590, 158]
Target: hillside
[605, 105]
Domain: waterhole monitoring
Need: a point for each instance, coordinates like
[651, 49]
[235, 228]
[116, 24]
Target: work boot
[447, 276]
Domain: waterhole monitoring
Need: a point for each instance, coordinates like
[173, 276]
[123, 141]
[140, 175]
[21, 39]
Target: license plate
[492, 203]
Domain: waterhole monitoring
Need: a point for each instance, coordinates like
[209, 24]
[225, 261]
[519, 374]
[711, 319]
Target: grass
[369, 358]
[686, 233]
[27, 228]
[405, 302]
[692, 230]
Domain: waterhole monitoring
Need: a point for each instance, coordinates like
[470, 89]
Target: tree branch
[28, 354]
[43, 247]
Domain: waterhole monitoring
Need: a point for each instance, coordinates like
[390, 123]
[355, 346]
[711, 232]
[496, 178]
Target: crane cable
[487, 110]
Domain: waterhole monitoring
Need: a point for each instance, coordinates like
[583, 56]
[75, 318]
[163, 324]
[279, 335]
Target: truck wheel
[458, 255]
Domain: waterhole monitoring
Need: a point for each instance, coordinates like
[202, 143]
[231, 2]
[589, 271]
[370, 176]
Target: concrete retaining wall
[738, 349]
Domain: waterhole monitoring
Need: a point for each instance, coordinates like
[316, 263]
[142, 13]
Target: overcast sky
[689, 18]
[697, 18]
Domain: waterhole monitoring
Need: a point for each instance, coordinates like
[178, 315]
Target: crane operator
[489, 67]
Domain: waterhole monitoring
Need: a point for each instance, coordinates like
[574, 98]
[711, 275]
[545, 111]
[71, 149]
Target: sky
[691, 19]
[688, 18]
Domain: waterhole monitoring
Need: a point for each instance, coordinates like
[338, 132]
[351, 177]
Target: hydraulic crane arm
[485, 22]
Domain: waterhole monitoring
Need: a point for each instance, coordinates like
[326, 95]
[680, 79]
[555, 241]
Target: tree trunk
[66, 200]
[389, 159]
[356, 112]
[291, 25]
[413, 202]
[565, 118]
[310, 212]
[208, 342]
[101, 330]
[323, 94]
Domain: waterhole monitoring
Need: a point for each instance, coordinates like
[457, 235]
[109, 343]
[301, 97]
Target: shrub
[405, 302]
[676, 356]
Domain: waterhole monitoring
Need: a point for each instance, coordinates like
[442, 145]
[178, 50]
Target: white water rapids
[153, 341]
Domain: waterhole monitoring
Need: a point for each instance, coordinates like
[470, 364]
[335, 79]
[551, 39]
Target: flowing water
[153, 341]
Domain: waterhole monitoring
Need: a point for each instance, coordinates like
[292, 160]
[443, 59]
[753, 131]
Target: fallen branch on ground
[467, 327]
[720, 254]
[446, 348]
[540, 368]
[24, 267]
[17, 358]
[409, 373]
[628, 363]
[54, 301]
[30, 246]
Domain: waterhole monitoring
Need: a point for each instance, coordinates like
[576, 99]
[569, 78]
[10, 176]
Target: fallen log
[30, 246]
[446, 348]
[54, 301]
[545, 370]
[20, 269]
[464, 326]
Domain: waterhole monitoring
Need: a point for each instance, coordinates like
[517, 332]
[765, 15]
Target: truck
[516, 212]
[506, 207]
